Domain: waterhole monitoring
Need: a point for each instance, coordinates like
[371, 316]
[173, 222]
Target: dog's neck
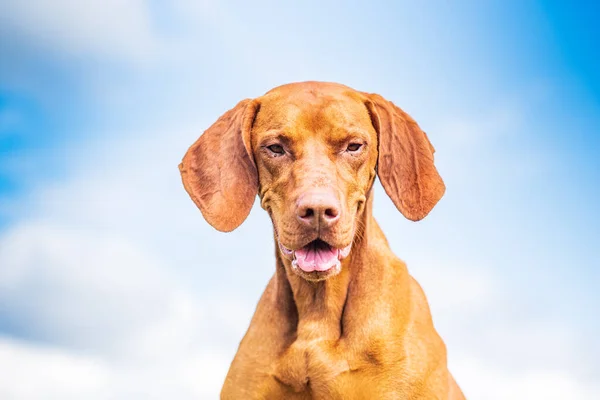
[317, 307]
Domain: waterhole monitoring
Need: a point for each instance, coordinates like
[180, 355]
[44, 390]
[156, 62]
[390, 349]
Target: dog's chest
[323, 370]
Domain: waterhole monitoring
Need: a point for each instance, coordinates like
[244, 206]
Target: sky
[112, 286]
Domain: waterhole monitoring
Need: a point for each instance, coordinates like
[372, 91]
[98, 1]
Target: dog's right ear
[218, 170]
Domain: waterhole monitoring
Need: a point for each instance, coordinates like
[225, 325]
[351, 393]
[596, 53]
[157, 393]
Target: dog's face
[311, 151]
[316, 154]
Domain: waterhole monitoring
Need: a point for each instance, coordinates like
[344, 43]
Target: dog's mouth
[317, 255]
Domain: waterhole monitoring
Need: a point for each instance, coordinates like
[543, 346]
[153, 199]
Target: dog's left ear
[405, 162]
[218, 171]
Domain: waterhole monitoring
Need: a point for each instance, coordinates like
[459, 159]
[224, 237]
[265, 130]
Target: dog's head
[311, 151]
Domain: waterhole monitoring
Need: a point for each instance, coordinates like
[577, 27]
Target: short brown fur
[365, 330]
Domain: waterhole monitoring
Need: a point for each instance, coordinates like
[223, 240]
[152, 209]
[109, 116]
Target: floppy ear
[218, 170]
[405, 162]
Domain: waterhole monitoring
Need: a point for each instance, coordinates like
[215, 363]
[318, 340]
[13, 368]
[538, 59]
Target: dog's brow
[274, 134]
[350, 133]
[358, 132]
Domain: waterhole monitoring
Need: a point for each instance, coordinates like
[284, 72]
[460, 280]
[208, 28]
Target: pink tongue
[316, 258]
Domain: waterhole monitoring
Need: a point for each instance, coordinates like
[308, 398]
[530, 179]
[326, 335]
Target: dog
[341, 318]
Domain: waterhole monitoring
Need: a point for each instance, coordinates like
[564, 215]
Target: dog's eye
[276, 149]
[354, 147]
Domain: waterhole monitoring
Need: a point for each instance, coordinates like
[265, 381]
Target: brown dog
[341, 318]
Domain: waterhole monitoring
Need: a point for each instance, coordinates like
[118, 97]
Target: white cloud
[105, 28]
[31, 372]
[486, 381]
[455, 288]
[115, 316]
[91, 289]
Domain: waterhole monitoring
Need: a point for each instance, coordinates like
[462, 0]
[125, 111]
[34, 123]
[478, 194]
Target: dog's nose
[318, 209]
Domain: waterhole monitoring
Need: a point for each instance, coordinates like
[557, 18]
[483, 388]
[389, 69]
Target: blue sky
[111, 279]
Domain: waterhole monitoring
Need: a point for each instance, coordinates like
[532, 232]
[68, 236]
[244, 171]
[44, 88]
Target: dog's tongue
[316, 257]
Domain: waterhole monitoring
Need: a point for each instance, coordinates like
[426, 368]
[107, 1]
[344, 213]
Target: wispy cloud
[92, 29]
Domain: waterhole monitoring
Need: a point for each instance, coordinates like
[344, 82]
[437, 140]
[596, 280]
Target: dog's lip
[290, 254]
[285, 250]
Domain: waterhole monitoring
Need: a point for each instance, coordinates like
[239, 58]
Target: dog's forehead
[312, 108]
